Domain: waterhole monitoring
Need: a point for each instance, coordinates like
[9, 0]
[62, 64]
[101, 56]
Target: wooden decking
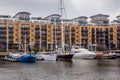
[3, 53]
[6, 53]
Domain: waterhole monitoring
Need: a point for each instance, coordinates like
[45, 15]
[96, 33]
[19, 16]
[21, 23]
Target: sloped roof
[99, 15]
[22, 12]
[52, 15]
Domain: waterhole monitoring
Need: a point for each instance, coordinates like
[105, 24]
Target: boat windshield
[76, 47]
[15, 52]
[76, 51]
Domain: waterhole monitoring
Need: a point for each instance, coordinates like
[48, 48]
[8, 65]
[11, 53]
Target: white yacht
[82, 53]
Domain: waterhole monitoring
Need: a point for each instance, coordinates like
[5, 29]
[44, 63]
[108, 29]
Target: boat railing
[46, 52]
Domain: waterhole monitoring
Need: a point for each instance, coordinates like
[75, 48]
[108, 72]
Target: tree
[2, 47]
[101, 47]
[36, 47]
[35, 50]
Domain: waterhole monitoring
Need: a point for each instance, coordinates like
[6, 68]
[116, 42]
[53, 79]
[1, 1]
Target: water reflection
[77, 69]
[67, 64]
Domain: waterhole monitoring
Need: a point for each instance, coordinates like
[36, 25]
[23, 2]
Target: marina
[67, 44]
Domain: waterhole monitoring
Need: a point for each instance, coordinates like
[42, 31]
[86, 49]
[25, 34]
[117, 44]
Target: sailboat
[61, 54]
[64, 56]
[47, 56]
[27, 58]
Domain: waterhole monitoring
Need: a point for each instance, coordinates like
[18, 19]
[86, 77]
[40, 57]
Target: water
[61, 70]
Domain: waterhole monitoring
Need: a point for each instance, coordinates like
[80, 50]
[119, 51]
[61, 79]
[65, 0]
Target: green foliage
[35, 50]
[113, 48]
[43, 49]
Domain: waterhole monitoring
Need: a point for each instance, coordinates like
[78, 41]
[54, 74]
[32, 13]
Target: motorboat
[106, 55]
[118, 55]
[82, 53]
[48, 56]
[12, 56]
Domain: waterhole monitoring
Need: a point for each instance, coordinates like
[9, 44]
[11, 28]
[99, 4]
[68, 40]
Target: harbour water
[61, 70]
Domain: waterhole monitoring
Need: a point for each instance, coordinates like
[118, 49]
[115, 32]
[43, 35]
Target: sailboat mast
[55, 33]
[62, 13]
[61, 9]
[25, 45]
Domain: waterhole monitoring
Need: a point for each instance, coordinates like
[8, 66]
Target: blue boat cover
[28, 58]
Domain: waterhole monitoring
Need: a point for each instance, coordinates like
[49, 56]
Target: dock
[2, 57]
[9, 59]
[3, 53]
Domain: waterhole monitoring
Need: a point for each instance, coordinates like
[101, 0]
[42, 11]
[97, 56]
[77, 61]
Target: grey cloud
[74, 8]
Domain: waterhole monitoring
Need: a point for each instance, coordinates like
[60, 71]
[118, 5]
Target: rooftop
[52, 15]
[99, 15]
[21, 13]
[80, 17]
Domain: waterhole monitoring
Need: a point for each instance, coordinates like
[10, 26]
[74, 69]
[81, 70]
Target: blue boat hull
[28, 58]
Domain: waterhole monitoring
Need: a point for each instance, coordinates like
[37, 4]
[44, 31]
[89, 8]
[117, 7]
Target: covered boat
[27, 58]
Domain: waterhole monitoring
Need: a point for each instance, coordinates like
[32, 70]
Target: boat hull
[118, 55]
[65, 56]
[106, 56]
[48, 57]
[84, 56]
[110, 57]
[28, 58]
[10, 58]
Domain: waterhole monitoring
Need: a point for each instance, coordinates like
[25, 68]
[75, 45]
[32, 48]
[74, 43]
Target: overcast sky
[74, 8]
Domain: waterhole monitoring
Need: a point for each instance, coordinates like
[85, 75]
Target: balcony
[37, 32]
[84, 34]
[84, 37]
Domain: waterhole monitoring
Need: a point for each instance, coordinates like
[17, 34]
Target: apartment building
[52, 30]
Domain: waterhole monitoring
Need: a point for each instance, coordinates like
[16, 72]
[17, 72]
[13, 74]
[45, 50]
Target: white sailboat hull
[48, 57]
